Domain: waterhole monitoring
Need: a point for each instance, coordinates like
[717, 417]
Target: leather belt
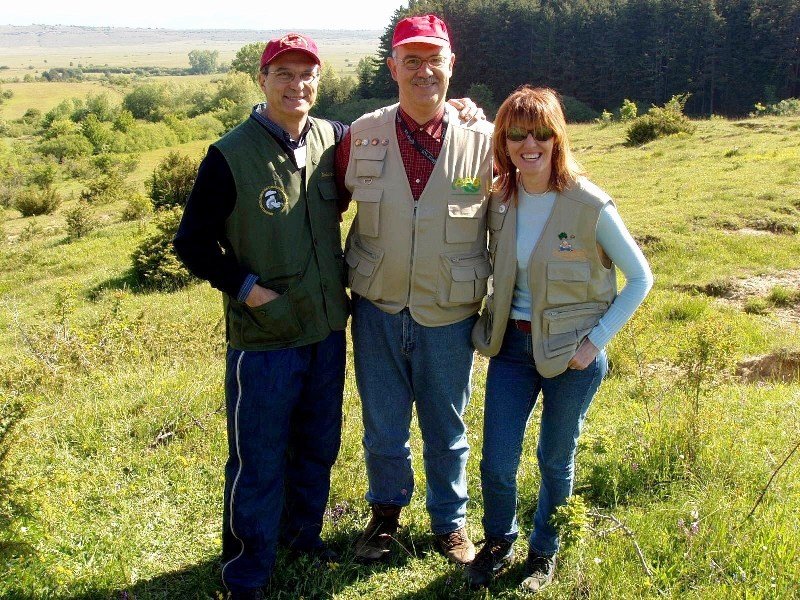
[524, 326]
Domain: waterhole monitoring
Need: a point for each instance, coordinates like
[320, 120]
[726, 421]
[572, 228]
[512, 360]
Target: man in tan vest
[418, 267]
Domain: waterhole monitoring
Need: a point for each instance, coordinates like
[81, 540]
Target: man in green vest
[262, 226]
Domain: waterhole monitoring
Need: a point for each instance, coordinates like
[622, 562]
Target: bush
[155, 264]
[576, 111]
[172, 180]
[138, 206]
[31, 202]
[605, 119]
[105, 189]
[660, 122]
[628, 111]
[80, 220]
[790, 107]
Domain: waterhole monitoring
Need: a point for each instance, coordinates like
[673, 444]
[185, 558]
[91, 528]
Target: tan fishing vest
[429, 255]
[570, 287]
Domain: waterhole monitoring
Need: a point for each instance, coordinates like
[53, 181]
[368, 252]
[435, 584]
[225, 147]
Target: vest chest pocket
[369, 210]
[463, 223]
[369, 160]
[463, 278]
[363, 263]
[567, 282]
[564, 327]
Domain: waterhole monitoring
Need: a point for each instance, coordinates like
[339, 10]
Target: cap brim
[423, 39]
[308, 53]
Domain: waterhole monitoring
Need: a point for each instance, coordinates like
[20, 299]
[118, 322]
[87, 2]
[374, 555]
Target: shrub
[137, 206]
[30, 231]
[628, 111]
[660, 122]
[756, 306]
[782, 296]
[577, 111]
[172, 180]
[605, 119]
[31, 202]
[80, 220]
[155, 264]
[106, 189]
[790, 107]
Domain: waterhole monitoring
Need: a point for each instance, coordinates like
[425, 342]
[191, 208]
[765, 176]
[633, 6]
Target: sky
[204, 14]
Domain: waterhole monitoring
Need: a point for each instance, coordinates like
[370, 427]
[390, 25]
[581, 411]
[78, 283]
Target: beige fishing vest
[429, 255]
[570, 287]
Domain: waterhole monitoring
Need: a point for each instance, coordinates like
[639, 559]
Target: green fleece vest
[285, 229]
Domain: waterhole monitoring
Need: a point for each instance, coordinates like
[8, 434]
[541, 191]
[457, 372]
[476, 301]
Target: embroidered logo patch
[565, 245]
[272, 199]
[468, 185]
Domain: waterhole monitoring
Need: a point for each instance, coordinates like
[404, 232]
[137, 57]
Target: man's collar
[430, 127]
[260, 114]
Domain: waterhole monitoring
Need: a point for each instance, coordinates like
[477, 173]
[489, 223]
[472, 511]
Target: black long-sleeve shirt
[201, 242]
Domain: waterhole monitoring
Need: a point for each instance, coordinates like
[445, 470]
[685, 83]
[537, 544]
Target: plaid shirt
[418, 168]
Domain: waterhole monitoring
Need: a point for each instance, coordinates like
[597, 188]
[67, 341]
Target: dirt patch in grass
[779, 293]
[782, 366]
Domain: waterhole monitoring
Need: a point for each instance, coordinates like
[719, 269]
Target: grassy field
[27, 53]
[112, 441]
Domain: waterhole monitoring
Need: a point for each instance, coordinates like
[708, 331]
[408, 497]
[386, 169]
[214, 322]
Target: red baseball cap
[288, 43]
[426, 29]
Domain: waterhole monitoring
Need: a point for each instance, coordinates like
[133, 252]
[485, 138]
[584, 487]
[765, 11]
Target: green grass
[111, 479]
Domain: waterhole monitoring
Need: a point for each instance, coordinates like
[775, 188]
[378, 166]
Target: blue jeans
[398, 363]
[284, 411]
[512, 387]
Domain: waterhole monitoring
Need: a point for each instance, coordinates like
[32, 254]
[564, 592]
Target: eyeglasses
[284, 76]
[413, 63]
[519, 134]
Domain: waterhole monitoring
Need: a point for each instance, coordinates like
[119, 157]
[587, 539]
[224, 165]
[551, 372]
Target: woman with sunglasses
[556, 240]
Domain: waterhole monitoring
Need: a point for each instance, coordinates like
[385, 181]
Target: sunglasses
[519, 134]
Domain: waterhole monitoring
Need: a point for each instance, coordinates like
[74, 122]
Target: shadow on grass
[291, 579]
[127, 281]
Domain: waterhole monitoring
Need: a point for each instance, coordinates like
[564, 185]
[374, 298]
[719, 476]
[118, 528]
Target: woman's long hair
[533, 108]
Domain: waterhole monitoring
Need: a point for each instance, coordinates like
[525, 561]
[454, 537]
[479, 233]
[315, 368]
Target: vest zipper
[413, 243]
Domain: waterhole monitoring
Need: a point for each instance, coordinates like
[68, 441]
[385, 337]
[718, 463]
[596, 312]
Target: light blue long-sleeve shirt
[533, 211]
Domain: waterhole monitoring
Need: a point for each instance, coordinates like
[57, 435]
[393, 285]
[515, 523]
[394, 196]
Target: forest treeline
[728, 54]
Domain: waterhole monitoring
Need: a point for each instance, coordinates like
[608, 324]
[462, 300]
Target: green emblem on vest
[272, 199]
[469, 185]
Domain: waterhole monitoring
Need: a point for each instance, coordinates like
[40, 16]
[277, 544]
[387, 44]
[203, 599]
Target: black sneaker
[495, 554]
[319, 554]
[540, 570]
[374, 543]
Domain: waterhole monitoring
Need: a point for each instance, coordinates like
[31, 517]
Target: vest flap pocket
[575, 318]
[568, 271]
[368, 194]
[327, 190]
[363, 263]
[464, 210]
[496, 215]
[463, 279]
[463, 273]
[369, 210]
[368, 168]
[369, 152]
[567, 282]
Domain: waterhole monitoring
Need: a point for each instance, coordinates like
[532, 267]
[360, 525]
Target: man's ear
[392, 64]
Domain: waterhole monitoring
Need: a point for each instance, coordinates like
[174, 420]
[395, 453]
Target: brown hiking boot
[374, 543]
[456, 546]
